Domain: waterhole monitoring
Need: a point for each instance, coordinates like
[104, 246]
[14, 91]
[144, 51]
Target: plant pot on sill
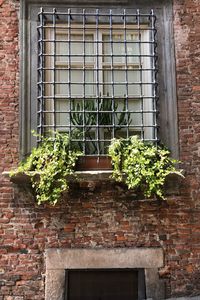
[91, 163]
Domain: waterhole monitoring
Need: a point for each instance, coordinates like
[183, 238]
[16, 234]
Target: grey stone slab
[55, 280]
[155, 288]
[104, 258]
[185, 298]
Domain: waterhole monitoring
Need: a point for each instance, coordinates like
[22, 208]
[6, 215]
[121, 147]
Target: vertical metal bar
[126, 73]
[154, 75]
[54, 71]
[112, 75]
[84, 84]
[41, 76]
[69, 68]
[97, 82]
[141, 69]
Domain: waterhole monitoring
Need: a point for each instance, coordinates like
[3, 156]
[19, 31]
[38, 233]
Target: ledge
[172, 185]
[104, 258]
[21, 178]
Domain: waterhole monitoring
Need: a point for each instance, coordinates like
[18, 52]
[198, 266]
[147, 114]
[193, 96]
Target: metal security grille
[97, 76]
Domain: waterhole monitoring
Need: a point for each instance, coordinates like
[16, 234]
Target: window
[98, 71]
[97, 76]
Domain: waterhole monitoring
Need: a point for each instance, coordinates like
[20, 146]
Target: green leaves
[141, 166]
[53, 161]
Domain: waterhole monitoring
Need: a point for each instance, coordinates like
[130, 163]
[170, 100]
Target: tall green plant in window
[106, 111]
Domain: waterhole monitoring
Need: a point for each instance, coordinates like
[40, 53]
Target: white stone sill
[172, 185]
[98, 175]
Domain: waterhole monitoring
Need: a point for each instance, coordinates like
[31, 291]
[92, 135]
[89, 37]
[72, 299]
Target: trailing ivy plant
[141, 166]
[48, 167]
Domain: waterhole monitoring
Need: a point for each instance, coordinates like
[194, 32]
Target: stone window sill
[21, 178]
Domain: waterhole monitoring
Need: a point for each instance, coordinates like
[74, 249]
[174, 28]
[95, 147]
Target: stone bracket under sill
[173, 184]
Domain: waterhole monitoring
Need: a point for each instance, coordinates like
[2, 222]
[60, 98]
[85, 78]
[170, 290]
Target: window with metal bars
[97, 76]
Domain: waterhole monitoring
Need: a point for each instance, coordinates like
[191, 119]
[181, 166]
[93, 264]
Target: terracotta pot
[94, 163]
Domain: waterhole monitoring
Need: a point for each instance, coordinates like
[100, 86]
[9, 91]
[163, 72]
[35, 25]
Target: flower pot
[88, 163]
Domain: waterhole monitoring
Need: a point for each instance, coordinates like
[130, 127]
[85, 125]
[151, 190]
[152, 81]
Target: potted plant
[142, 166]
[48, 166]
[107, 110]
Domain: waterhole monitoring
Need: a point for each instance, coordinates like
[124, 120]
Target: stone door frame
[58, 260]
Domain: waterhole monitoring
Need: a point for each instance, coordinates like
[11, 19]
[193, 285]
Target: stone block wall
[101, 214]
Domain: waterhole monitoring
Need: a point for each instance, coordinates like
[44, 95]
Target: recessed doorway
[104, 284]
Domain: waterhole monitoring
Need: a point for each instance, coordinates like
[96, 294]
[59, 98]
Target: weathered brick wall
[104, 215]
[187, 43]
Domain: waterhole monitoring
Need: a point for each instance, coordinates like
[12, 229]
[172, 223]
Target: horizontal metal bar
[100, 84]
[89, 30]
[101, 126]
[88, 98]
[95, 42]
[99, 111]
[47, 13]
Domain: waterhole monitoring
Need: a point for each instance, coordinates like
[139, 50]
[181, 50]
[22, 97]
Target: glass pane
[75, 47]
[89, 48]
[133, 116]
[135, 105]
[117, 48]
[90, 87]
[83, 113]
[62, 47]
[119, 87]
[76, 83]
[62, 112]
[120, 48]
[133, 77]
[62, 76]
[132, 48]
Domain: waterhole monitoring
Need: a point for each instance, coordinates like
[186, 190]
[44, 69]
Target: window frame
[139, 99]
[148, 259]
[166, 60]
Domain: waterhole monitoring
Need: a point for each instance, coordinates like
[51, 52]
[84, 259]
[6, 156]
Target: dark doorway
[103, 284]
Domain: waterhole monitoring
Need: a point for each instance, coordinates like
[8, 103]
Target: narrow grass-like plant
[142, 166]
[48, 167]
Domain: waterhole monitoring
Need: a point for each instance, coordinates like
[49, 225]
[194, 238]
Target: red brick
[103, 218]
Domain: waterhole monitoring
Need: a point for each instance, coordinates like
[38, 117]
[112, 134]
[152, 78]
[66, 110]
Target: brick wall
[101, 215]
